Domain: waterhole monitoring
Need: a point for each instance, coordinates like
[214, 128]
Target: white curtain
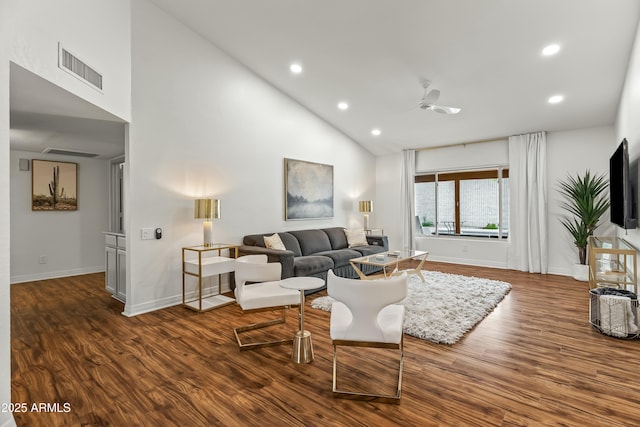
[407, 200]
[528, 208]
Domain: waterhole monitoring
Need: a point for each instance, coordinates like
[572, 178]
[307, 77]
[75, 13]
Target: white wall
[567, 152]
[72, 241]
[467, 156]
[98, 32]
[6, 419]
[573, 152]
[203, 125]
[388, 198]
[628, 123]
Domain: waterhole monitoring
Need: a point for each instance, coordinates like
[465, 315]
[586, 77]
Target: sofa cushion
[290, 242]
[356, 237]
[337, 237]
[311, 241]
[274, 242]
[255, 240]
[311, 264]
[341, 257]
[368, 250]
[378, 241]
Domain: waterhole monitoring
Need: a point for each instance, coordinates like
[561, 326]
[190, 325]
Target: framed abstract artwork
[54, 186]
[308, 190]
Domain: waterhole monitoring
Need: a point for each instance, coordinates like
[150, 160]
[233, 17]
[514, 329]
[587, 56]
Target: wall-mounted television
[622, 188]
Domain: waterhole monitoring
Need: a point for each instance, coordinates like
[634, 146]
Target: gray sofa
[314, 252]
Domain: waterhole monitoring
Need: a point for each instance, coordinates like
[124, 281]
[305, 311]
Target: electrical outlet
[42, 259]
[148, 234]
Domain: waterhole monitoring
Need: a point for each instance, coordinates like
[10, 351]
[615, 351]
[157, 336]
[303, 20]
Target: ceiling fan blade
[444, 110]
[429, 99]
[432, 96]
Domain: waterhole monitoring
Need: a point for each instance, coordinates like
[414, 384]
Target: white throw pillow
[356, 237]
[274, 242]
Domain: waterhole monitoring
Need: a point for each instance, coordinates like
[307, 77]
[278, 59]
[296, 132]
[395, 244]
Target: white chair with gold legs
[366, 313]
[258, 289]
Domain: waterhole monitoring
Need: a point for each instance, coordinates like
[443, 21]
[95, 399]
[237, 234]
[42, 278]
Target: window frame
[496, 172]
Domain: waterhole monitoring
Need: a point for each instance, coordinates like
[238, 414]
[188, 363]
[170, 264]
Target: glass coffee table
[390, 260]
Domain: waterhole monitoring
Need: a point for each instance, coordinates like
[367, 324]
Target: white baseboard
[474, 262]
[561, 271]
[131, 310]
[55, 274]
[465, 261]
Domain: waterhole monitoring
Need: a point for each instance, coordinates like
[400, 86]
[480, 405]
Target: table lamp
[366, 206]
[207, 209]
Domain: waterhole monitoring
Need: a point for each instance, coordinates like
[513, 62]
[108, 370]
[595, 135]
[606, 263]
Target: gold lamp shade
[366, 205]
[207, 209]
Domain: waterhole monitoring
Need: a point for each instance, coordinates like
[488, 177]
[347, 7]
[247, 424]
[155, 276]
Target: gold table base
[302, 347]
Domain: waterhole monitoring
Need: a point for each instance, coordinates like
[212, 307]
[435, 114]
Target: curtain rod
[500, 138]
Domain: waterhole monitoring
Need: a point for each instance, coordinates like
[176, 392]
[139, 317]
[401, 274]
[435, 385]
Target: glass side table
[209, 261]
[374, 231]
[612, 263]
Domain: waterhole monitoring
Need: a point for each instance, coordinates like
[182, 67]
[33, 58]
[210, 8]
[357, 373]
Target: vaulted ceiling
[483, 55]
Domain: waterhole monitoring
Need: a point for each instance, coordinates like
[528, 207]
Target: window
[467, 203]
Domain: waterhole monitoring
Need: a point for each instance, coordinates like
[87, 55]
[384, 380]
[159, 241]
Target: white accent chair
[258, 289]
[366, 313]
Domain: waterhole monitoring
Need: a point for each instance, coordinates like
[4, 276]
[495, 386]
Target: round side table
[302, 346]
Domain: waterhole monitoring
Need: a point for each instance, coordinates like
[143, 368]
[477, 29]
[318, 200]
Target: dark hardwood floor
[533, 361]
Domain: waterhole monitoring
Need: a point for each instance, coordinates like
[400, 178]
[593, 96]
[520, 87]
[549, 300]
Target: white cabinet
[115, 265]
[111, 261]
[121, 289]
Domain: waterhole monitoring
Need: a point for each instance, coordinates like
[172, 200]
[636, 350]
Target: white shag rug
[445, 307]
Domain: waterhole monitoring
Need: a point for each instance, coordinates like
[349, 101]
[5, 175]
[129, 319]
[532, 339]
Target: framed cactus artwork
[54, 186]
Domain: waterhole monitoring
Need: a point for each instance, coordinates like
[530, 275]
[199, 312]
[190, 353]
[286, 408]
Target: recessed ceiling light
[343, 105]
[552, 49]
[555, 99]
[375, 132]
[296, 68]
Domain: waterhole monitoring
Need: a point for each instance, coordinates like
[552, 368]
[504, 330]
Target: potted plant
[586, 202]
[428, 225]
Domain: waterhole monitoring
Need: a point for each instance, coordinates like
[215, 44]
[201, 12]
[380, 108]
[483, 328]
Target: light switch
[148, 234]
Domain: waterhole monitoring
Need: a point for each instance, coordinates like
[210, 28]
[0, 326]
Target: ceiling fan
[429, 99]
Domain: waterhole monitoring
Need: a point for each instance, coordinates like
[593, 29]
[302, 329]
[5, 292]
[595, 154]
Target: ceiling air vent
[73, 65]
[65, 152]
